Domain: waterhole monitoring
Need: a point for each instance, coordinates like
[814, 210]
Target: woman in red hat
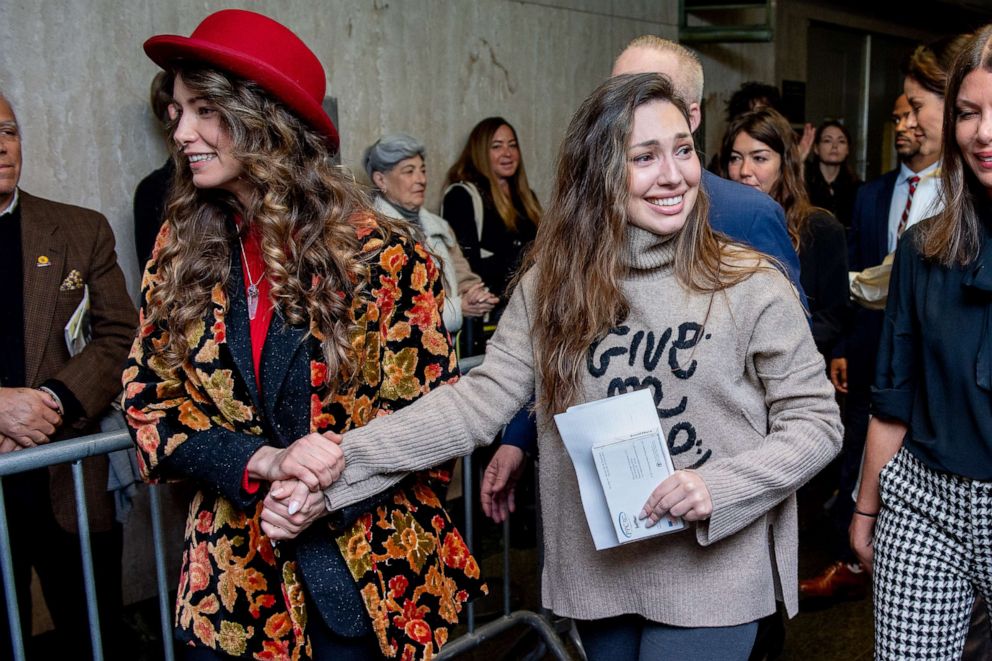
[277, 308]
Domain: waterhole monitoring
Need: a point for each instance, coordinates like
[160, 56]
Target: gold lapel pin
[43, 261]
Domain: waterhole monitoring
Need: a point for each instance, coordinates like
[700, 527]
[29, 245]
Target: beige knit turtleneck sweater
[743, 399]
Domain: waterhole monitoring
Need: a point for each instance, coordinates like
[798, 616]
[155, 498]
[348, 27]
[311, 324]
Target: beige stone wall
[78, 77]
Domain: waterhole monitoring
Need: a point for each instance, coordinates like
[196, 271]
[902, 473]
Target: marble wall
[78, 78]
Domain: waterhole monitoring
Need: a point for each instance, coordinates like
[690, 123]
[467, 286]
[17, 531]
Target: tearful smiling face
[663, 169]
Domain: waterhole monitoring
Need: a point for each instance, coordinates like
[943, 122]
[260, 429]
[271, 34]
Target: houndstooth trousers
[933, 551]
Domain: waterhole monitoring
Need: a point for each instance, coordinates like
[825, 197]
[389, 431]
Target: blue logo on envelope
[626, 525]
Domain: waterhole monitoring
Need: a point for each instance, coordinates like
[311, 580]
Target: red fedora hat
[257, 48]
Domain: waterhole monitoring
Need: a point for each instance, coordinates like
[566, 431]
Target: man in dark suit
[152, 191]
[881, 206]
[49, 254]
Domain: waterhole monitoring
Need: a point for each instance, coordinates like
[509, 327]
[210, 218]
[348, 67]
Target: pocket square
[72, 281]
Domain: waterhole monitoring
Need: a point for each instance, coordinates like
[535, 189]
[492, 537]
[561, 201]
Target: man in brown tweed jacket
[50, 253]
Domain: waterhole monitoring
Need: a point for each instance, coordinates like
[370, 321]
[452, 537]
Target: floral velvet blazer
[393, 565]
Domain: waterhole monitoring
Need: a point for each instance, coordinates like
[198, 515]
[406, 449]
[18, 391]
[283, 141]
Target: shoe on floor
[836, 581]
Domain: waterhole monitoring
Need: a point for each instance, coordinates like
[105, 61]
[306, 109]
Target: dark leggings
[631, 637]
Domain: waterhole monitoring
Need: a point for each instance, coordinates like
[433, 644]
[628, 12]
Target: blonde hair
[473, 165]
[689, 78]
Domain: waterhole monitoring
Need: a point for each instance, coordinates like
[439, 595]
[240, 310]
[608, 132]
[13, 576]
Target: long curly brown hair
[586, 225]
[300, 203]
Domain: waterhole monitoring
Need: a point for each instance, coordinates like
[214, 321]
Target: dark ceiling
[938, 16]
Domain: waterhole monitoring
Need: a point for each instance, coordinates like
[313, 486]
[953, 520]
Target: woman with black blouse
[489, 204]
[923, 517]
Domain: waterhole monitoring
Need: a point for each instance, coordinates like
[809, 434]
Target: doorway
[855, 77]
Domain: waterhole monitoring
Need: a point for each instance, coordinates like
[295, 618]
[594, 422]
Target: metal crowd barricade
[75, 450]
[479, 636]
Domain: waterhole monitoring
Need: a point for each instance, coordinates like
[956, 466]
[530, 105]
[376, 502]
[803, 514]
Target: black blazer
[285, 408]
[868, 244]
[149, 210]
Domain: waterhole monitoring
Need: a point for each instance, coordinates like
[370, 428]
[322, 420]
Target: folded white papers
[620, 456]
[77, 330]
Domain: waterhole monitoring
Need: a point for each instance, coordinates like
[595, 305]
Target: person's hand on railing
[7, 444]
[288, 512]
[315, 459]
[499, 482]
[27, 416]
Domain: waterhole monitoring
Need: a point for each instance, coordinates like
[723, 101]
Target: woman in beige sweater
[627, 287]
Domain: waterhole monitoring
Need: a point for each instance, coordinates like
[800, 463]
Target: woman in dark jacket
[830, 182]
[922, 517]
[760, 150]
[489, 204]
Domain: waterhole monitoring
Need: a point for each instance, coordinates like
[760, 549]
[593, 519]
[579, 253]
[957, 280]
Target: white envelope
[628, 423]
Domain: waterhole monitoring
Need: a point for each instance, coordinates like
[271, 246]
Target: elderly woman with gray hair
[395, 163]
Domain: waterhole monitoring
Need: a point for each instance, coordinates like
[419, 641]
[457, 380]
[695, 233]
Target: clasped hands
[478, 300]
[28, 417]
[297, 475]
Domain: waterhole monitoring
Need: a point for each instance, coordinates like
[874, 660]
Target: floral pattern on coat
[237, 593]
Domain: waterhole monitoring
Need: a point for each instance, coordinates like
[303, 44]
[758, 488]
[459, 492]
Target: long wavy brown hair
[586, 224]
[770, 127]
[300, 202]
[473, 166]
[954, 235]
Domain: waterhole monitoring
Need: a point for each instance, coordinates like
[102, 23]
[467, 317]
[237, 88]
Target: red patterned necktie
[915, 179]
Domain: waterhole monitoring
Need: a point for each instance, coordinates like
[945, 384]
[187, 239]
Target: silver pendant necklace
[252, 285]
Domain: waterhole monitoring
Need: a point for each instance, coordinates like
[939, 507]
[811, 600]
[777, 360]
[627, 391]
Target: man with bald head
[50, 254]
[741, 212]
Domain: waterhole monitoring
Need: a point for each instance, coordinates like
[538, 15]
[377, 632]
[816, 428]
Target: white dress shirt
[10, 207]
[927, 200]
